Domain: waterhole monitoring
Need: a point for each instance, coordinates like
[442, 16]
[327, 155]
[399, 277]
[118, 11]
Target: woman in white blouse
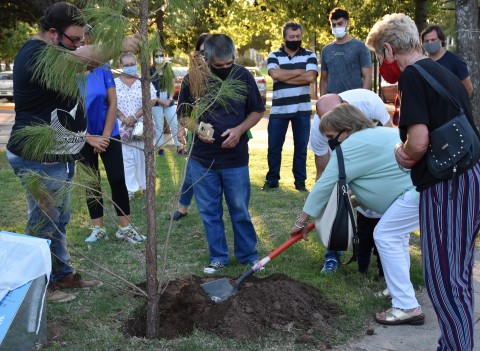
[130, 111]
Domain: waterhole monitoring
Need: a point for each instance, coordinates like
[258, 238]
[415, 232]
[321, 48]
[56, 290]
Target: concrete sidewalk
[415, 338]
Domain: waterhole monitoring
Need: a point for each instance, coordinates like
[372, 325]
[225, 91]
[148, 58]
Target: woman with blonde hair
[449, 220]
[375, 179]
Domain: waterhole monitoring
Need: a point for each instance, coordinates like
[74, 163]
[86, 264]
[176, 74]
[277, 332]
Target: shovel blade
[219, 290]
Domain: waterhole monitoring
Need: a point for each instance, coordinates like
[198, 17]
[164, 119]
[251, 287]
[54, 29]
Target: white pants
[134, 165]
[392, 235]
[158, 113]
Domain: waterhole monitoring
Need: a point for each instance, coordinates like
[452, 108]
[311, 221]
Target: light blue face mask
[432, 47]
[132, 70]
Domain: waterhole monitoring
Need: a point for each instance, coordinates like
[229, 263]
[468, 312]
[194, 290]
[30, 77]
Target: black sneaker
[213, 267]
[267, 186]
[300, 187]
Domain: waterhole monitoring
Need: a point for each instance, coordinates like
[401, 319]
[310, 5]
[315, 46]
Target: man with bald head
[365, 100]
[373, 107]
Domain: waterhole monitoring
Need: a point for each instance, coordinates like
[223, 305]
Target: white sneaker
[97, 233]
[130, 234]
[213, 267]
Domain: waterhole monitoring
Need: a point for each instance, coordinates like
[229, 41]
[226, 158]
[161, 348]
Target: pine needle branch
[54, 62]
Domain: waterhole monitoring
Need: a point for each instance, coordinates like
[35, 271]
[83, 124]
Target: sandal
[383, 294]
[397, 316]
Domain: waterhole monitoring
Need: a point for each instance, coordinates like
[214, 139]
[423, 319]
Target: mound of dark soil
[276, 302]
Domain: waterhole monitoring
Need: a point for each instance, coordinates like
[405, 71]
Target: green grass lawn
[93, 320]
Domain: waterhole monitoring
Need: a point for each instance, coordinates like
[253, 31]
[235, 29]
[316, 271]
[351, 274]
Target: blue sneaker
[330, 266]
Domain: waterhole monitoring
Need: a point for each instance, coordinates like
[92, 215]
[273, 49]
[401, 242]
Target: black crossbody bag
[454, 146]
[336, 223]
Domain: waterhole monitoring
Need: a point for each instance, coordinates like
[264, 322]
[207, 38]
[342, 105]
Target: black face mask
[221, 73]
[293, 44]
[333, 143]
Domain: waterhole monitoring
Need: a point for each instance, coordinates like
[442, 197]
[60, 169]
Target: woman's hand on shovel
[301, 225]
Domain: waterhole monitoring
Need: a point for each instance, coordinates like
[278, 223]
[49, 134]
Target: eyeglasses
[74, 40]
[160, 55]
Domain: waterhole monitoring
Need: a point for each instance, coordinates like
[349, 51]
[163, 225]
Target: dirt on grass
[262, 305]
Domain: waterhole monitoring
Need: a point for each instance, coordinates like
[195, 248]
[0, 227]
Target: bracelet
[404, 170]
[300, 224]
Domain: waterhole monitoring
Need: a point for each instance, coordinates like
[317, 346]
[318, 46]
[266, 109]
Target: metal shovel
[219, 290]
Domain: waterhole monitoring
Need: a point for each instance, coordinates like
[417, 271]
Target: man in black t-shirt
[219, 163]
[433, 42]
[46, 174]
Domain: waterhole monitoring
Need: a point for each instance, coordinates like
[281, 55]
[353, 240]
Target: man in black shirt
[48, 201]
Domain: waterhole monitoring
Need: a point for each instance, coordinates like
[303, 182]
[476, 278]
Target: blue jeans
[277, 129]
[210, 185]
[187, 189]
[158, 112]
[48, 211]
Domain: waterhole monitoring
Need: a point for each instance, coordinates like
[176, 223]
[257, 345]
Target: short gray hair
[398, 30]
[220, 47]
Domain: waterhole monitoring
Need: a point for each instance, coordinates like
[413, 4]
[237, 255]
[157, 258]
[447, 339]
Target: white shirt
[129, 99]
[365, 100]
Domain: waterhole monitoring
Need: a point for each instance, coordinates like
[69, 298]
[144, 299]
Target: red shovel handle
[293, 239]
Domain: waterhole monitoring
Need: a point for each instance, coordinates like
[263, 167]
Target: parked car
[179, 73]
[261, 82]
[6, 85]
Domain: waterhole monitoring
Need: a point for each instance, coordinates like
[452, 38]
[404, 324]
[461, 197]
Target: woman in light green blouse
[377, 182]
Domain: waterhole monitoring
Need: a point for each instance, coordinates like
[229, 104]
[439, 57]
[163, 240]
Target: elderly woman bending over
[374, 177]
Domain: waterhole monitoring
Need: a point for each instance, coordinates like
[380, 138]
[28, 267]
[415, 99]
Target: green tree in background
[14, 38]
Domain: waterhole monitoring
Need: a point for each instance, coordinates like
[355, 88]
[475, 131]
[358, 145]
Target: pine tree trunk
[153, 315]
[468, 37]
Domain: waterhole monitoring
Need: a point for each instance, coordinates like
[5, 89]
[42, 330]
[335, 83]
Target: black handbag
[336, 223]
[454, 146]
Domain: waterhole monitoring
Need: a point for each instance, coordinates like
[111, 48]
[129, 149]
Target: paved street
[7, 117]
[259, 132]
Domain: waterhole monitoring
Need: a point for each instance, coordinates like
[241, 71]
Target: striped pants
[448, 228]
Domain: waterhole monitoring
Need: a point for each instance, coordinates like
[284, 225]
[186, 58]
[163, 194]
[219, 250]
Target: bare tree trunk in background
[160, 21]
[153, 315]
[468, 35]
[421, 14]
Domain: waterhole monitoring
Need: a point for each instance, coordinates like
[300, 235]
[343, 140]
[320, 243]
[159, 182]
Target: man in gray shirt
[346, 62]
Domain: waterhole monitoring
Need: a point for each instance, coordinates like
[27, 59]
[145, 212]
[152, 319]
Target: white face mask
[158, 59]
[339, 32]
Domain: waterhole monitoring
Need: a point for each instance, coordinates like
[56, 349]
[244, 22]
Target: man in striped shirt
[292, 69]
